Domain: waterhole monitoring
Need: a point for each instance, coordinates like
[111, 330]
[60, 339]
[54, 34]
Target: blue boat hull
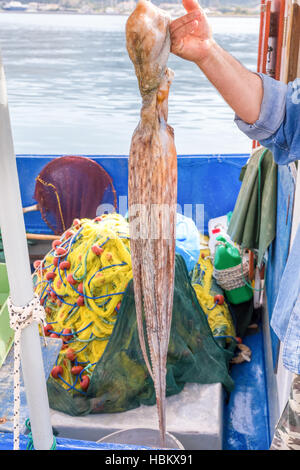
[210, 182]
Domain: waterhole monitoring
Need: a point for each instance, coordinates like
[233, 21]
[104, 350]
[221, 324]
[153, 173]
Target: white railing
[20, 279]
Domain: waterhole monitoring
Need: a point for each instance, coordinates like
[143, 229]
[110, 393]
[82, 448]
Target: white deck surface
[194, 417]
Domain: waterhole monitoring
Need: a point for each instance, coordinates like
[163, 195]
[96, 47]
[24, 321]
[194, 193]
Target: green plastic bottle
[228, 256]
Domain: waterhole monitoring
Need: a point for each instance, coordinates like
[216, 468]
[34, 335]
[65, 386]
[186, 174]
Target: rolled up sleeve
[278, 126]
[272, 111]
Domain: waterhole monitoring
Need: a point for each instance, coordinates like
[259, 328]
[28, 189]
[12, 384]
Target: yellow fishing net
[81, 283]
[211, 298]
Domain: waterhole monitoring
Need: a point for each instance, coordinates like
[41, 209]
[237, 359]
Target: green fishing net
[120, 380]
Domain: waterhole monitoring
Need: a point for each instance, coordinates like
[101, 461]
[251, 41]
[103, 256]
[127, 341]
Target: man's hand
[191, 39]
[191, 36]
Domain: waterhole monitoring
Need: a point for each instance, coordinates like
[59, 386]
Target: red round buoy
[53, 295]
[50, 276]
[67, 334]
[97, 250]
[70, 354]
[98, 219]
[85, 382]
[76, 370]
[219, 299]
[60, 251]
[56, 371]
[71, 280]
[55, 261]
[76, 223]
[80, 288]
[68, 234]
[64, 265]
[55, 244]
[37, 263]
[80, 301]
[54, 335]
[47, 329]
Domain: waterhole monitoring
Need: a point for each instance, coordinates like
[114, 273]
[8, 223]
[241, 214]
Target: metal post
[20, 280]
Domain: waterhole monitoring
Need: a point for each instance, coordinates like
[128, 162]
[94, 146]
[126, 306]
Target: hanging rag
[253, 222]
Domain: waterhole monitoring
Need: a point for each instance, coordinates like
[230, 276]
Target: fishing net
[85, 284]
[72, 186]
[212, 301]
[228, 322]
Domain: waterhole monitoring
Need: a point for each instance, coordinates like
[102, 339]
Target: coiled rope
[30, 440]
[20, 318]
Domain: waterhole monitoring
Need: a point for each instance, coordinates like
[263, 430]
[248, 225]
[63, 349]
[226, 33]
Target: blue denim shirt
[278, 129]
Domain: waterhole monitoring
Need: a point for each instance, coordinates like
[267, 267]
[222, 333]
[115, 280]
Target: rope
[260, 289]
[30, 440]
[39, 179]
[232, 278]
[21, 317]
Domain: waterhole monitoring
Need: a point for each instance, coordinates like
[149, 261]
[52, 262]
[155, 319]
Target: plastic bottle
[228, 256]
[218, 227]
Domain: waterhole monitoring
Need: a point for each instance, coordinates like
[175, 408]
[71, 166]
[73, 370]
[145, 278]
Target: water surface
[72, 88]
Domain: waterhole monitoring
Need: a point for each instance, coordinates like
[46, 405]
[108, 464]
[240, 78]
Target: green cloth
[253, 222]
[120, 380]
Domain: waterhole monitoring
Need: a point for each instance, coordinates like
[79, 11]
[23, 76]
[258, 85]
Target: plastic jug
[228, 256]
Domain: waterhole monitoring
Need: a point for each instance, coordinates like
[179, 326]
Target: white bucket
[141, 437]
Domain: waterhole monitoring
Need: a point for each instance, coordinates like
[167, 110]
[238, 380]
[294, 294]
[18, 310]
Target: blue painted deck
[246, 416]
[6, 443]
[49, 354]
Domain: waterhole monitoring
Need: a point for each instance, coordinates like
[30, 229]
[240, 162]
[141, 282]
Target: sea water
[72, 88]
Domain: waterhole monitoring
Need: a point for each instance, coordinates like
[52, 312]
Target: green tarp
[253, 222]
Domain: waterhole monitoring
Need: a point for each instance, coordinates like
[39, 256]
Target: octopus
[152, 194]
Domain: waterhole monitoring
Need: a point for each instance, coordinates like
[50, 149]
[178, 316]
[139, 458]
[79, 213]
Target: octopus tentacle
[136, 268]
[152, 193]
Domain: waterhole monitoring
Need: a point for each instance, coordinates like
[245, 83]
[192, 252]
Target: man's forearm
[241, 89]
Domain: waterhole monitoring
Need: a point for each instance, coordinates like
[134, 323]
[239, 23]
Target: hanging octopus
[152, 193]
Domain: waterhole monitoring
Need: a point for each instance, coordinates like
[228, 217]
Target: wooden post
[294, 44]
[280, 39]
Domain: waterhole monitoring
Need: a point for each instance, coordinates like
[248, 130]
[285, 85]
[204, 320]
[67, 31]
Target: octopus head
[148, 44]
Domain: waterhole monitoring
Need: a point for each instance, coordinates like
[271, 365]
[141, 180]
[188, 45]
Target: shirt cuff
[272, 110]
